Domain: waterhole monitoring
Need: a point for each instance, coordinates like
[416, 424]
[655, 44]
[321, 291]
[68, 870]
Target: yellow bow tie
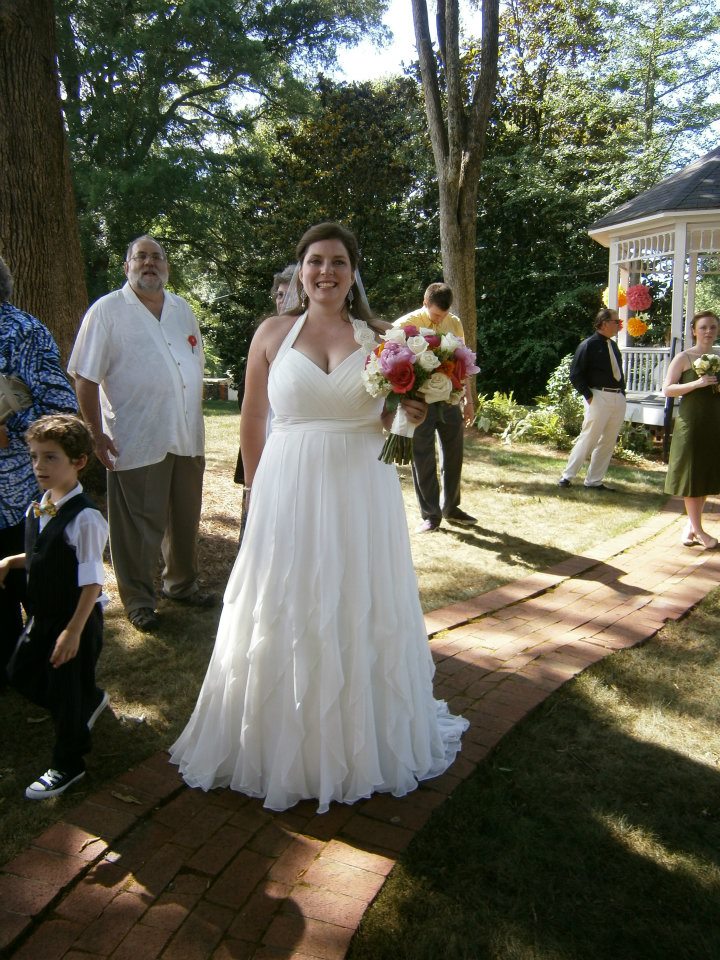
[47, 509]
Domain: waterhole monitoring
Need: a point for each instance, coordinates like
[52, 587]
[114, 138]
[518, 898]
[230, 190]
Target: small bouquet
[418, 363]
[708, 363]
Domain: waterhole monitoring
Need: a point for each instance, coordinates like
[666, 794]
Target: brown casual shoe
[144, 619]
[197, 599]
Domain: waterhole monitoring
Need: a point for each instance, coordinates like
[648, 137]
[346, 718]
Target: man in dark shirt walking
[596, 373]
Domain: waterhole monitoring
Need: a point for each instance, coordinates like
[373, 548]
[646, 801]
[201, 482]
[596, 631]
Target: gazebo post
[678, 292]
[691, 284]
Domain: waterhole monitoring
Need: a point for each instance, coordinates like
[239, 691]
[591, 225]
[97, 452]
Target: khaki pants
[601, 426]
[152, 510]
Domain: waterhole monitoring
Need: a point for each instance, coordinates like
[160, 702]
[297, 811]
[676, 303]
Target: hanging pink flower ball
[639, 297]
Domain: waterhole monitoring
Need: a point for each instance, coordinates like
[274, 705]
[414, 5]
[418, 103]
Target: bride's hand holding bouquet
[419, 364]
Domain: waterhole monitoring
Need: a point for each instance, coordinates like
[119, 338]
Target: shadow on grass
[592, 833]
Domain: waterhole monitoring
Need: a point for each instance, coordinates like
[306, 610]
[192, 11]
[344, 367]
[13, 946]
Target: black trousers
[69, 692]
[12, 598]
[451, 434]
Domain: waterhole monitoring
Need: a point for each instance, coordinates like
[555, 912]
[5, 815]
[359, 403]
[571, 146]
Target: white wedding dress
[320, 683]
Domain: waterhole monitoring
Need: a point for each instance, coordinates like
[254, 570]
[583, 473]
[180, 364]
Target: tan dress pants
[154, 510]
[601, 426]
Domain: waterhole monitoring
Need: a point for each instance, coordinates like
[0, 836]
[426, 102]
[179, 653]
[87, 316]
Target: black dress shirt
[591, 368]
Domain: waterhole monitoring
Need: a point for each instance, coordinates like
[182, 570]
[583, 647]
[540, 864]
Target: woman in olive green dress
[694, 467]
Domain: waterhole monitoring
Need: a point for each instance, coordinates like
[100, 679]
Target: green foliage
[564, 398]
[557, 418]
[634, 443]
[495, 414]
[161, 100]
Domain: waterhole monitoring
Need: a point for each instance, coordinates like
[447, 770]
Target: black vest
[51, 563]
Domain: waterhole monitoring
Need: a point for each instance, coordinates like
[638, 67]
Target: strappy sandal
[690, 538]
[144, 619]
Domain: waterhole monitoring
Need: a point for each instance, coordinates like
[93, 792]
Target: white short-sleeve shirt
[150, 374]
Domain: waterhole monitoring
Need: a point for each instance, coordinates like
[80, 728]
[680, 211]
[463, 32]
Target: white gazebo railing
[645, 368]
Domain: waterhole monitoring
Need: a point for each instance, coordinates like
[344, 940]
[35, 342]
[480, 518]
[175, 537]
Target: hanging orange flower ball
[636, 326]
[622, 297]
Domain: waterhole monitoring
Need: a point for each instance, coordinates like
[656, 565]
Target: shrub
[495, 414]
[558, 416]
[634, 443]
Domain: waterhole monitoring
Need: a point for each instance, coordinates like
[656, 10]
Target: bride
[320, 682]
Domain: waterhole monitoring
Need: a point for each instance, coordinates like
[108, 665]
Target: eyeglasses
[142, 257]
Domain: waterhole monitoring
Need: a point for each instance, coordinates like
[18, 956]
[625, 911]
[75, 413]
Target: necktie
[47, 509]
[613, 362]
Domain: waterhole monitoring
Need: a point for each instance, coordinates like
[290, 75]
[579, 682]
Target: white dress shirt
[150, 374]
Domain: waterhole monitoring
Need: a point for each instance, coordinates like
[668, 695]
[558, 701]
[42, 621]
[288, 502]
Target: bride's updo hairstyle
[335, 231]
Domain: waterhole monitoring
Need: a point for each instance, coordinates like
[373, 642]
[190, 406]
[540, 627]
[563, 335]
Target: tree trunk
[39, 236]
[457, 132]
[458, 233]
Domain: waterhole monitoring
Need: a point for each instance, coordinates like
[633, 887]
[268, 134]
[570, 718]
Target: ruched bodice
[300, 392]
[320, 683]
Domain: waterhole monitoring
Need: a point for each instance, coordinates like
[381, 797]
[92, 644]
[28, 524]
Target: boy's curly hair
[68, 431]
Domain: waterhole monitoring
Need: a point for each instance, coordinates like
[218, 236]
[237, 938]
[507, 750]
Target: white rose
[450, 342]
[395, 333]
[428, 332]
[418, 345]
[428, 360]
[437, 387]
[366, 338]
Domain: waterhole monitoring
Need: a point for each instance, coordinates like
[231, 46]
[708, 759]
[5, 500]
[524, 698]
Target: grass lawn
[472, 865]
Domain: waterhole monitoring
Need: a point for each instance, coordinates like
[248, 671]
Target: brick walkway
[146, 868]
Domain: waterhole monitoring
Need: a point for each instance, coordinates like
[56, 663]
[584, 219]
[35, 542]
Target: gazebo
[673, 231]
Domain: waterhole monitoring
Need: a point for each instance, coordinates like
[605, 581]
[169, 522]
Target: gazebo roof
[695, 187]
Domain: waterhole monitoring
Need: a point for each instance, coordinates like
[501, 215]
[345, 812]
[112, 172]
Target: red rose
[410, 330]
[192, 340]
[402, 377]
[432, 340]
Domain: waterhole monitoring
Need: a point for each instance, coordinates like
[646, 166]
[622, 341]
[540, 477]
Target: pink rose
[410, 330]
[433, 340]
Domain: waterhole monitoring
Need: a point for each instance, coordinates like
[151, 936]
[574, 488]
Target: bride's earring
[349, 298]
[303, 297]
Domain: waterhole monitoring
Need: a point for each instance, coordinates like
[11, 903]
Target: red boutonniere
[192, 340]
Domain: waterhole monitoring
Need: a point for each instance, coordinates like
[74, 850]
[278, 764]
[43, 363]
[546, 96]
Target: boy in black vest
[65, 536]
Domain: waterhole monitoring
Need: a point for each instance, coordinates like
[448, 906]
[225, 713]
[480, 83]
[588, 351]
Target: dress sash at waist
[369, 425]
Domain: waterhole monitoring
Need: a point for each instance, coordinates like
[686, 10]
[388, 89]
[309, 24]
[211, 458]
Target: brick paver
[194, 876]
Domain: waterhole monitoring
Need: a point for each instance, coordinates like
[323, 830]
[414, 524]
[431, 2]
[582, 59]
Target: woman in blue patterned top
[29, 353]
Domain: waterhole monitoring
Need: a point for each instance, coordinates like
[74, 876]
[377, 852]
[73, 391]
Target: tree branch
[431, 87]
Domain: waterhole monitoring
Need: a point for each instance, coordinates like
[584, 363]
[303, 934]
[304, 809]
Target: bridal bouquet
[708, 363]
[419, 363]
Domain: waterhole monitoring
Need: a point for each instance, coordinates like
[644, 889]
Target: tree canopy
[213, 123]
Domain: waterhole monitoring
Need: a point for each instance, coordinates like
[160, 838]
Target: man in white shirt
[138, 368]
